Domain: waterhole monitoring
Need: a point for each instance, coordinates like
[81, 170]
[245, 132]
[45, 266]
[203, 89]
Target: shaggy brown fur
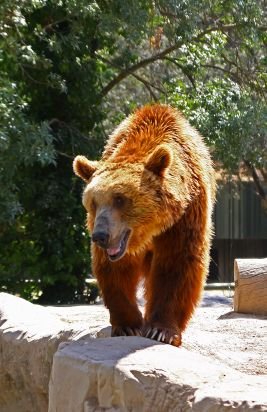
[149, 202]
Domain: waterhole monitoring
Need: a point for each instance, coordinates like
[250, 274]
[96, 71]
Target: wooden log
[250, 277]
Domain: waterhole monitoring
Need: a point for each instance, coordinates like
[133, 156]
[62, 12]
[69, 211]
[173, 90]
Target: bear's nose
[101, 238]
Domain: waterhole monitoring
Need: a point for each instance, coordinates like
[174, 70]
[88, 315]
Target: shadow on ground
[210, 299]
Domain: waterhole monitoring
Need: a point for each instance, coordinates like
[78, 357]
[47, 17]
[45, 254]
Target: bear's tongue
[113, 251]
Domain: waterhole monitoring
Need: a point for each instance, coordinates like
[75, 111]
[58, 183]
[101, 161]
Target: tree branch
[185, 72]
[212, 66]
[65, 155]
[159, 56]
[126, 72]
[146, 83]
[232, 75]
[256, 179]
[264, 173]
[26, 74]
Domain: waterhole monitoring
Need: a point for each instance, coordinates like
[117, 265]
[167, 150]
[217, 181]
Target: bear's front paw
[125, 331]
[165, 335]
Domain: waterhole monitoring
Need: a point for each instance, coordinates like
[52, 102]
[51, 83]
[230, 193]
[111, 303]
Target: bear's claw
[125, 331]
[164, 335]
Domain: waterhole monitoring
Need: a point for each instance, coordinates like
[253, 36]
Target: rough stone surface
[88, 370]
[233, 339]
[137, 374]
[29, 337]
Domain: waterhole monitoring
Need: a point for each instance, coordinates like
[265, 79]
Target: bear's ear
[84, 168]
[159, 160]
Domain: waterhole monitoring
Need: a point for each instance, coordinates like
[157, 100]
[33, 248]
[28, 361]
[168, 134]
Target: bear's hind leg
[118, 282]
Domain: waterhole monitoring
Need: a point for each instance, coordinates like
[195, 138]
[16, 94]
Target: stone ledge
[121, 374]
[136, 374]
[29, 337]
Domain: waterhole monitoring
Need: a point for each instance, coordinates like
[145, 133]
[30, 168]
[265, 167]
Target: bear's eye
[119, 201]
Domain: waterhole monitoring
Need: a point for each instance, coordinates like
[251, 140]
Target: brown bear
[149, 203]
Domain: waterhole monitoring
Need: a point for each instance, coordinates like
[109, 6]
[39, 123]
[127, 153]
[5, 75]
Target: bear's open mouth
[115, 253]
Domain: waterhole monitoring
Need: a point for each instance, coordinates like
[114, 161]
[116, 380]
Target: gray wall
[240, 229]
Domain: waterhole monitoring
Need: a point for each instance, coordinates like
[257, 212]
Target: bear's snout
[101, 238]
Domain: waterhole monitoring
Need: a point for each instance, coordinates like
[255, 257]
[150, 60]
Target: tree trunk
[250, 286]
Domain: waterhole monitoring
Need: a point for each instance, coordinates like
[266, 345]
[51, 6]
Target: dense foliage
[70, 70]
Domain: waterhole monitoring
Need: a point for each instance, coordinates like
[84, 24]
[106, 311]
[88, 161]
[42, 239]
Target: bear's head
[127, 203]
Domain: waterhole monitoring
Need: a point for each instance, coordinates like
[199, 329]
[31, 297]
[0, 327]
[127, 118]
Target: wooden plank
[250, 277]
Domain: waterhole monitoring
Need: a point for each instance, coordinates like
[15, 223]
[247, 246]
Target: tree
[49, 58]
[212, 65]
[43, 246]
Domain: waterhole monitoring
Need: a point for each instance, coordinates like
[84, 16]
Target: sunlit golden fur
[161, 170]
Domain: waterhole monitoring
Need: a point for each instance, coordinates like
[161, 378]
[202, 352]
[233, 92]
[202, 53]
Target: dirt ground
[236, 340]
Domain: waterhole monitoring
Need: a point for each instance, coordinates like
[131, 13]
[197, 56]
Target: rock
[29, 337]
[121, 374]
[137, 374]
